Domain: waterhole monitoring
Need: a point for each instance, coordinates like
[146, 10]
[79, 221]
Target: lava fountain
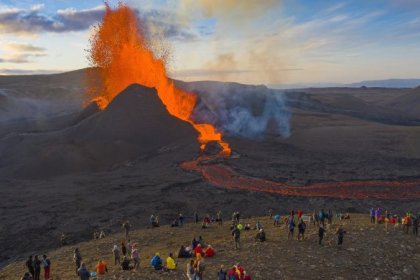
[122, 55]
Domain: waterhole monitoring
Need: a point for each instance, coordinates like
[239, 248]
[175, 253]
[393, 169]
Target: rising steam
[246, 111]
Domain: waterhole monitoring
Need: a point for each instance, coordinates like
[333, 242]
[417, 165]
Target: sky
[247, 41]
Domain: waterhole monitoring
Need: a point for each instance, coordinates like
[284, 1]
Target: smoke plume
[240, 110]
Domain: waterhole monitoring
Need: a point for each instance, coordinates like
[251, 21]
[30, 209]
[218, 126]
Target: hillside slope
[368, 252]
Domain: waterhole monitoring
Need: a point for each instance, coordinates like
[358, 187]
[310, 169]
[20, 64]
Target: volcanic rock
[213, 148]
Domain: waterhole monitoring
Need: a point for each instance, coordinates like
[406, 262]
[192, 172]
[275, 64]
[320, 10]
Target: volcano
[135, 125]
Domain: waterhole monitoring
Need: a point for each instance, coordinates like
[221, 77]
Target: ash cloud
[240, 110]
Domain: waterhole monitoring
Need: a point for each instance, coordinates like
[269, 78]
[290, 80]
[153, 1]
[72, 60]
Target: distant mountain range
[389, 83]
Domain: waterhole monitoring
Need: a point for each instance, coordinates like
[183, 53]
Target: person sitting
[183, 252]
[346, 217]
[101, 268]
[175, 223]
[198, 250]
[260, 235]
[156, 262]
[247, 227]
[209, 251]
[125, 265]
[95, 234]
[232, 274]
[170, 262]
[258, 225]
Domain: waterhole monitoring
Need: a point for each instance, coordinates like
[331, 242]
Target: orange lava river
[221, 175]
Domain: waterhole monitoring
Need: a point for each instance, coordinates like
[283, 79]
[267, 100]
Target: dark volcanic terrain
[65, 168]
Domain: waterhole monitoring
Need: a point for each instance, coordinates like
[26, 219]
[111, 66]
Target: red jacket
[209, 252]
[198, 250]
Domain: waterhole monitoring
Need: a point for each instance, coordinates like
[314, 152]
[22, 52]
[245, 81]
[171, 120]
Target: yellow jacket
[170, 263]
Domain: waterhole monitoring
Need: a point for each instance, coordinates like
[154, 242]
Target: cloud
[32, 21]
[7, 71]
[20, 53]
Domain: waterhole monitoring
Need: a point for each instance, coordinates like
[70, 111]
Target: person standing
[127, 227]
[219, 218]
[190, 270]
[116, 253]
[77, 258]
[30, 266]
[222, 273]
[37, 268]
[301, 228]
[83, 272]
[181, 219]
[46, 263]
[135, 256]
[340, 235]
[196, 217]
[236, 234]
[291, 226]
[270, 213]
[416, 222]
[321, 233]
[372, 215]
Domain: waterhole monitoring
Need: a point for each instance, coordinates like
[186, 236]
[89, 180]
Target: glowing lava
[121, 53]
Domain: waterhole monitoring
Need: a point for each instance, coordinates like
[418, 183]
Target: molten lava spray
[121, 53]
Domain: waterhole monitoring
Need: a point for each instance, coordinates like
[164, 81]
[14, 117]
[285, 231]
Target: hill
[408, 103]
[135, 124]
[368, 252]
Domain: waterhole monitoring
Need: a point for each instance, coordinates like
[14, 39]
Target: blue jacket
[156, 262]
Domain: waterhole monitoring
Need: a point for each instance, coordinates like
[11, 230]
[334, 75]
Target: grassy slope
[368, 252]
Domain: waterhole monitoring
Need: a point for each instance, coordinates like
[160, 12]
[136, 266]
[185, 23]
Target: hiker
[299, 213]
[125, 264]
[246, 276]
[276, 219]
[46, 263]
[236, 234]
[301, 228]
[270, 213]
[127, 227]
[194, 243]
[260, 235]
[102, 234]
[416, 222]
[83, 272]
[198, 250]
[219, 218]
[170, 262]
[321, 216]
[30, 266]
[340, 235]
[258, 225]
[175, 223]
[101, 268]
[123, 248]
[63, 239]
[209, 252]
[221, 274]
[196, 217]
[183, 252]
[330, 216]
[190, 270]
[315, 218]
[116, 253]
[135, 256]
[95, 235]
[321, 232]
[37, 268]
[372, 215]
[206, 221]
[201, 242]
[26, 276]
[199, 266]
[233, 274]
[377, 215]
[77, 258]
[156, 262]
[181, 219]
[291, 227]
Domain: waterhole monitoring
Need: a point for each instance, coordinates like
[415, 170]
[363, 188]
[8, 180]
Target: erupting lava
[121, 53]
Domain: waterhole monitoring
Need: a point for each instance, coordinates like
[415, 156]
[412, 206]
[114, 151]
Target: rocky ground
[369, 252]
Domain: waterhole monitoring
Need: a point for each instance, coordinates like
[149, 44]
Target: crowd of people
[126, 254]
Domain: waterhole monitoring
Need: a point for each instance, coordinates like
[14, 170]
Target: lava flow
[122, 55]
[223, 176]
